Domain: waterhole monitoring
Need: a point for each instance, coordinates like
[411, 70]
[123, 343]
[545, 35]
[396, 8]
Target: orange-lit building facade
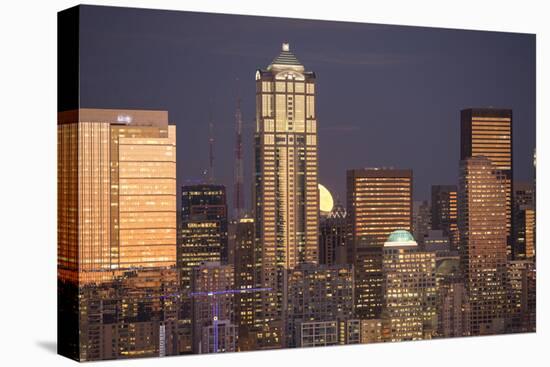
[482, 226]
[488, 132]
[117, 231]
[379, 201]
[117, 193]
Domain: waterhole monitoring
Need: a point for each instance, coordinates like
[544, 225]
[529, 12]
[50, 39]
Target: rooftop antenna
[238, 197]
[211, 141]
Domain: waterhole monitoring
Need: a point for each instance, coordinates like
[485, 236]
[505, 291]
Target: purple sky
[386, 95]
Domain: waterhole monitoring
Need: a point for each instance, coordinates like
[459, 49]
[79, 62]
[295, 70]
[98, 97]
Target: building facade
[421, 222]
[317, 293]
[286, 197]
[482, 225]
[487, 132]
[213, 300]
[332, 237]
[202, 239]
[444, 211]
[409, 286]
[116, 230]
[524, 221]
[242, 256]
[379, 201]
[522, 278]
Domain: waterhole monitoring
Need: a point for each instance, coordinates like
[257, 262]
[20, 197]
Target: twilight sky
[386, 95]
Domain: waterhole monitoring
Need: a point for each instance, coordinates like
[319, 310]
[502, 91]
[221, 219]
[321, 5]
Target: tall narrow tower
[286, 196]
[238, 198]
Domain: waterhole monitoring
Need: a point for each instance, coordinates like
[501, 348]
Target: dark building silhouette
[444, 211]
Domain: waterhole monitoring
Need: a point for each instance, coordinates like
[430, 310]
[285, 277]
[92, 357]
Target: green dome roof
[400, 236]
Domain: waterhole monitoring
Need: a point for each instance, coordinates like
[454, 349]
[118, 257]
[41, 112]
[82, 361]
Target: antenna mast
[238, 197]
[211, 147]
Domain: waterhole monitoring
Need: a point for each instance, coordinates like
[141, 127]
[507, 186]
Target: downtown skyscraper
[482, 226]
[286, 199]
[203, 238]
[444, 211]
[116, 232]
[487, 132]
[379, 201]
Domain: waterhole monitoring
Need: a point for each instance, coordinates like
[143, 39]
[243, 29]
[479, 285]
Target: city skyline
[154, 263]
[366, 117]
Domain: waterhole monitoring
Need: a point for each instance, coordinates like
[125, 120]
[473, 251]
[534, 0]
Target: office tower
[116, 173]
[241, 244]
[522, 296]
[213, 299]
[332, 236]
[488, 132]
[409, 289]
[379, 201]
[203, 233]
[317, 293]
[116, 224]
[444, 211]
[203, 238]
[524, 221]
[421, 222]
[286, 197]
[453, 307]
[482, 226]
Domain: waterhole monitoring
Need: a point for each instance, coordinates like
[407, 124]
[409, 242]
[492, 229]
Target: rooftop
[400, 237]
[285, 59]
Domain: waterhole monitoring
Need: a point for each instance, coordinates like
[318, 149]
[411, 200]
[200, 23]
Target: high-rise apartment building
[444, 212]
[482, 225]
[409, 311]
[379, 201]
[116, 230]
[488, 132]
[286, 197]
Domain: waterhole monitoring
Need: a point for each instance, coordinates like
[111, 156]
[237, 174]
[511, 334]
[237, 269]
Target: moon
[326, 203]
